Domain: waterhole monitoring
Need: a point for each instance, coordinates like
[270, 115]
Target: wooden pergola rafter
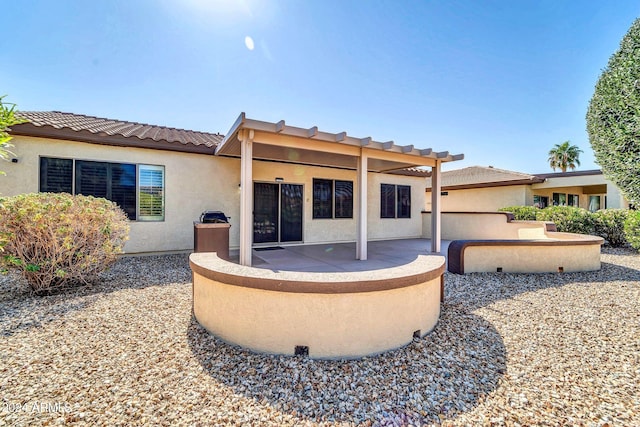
[254, 139]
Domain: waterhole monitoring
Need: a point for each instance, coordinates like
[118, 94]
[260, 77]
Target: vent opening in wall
[499, 270]
[560, 269]
[416, 334]
[302, 350]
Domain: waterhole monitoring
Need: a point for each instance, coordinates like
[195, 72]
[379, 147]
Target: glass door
[277, 212]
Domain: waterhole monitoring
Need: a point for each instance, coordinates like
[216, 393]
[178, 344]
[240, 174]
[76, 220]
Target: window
[573, 200]
[395, 201]
[332, 199]
[540, 201]
[137, 189]
[559, 199]
[594, 203]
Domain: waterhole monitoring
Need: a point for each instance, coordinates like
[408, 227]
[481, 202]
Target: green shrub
[59, 240]
[632, 229]
[522, 213]
[568, 219]
[609, 224]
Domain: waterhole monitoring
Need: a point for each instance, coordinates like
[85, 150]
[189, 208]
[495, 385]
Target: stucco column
[436, 227]
[361, 239]
[246, 196]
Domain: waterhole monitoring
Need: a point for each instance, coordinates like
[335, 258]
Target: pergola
[254, 139]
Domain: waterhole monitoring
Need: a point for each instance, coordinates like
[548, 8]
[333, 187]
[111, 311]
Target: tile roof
[117, 132]
[481, 176]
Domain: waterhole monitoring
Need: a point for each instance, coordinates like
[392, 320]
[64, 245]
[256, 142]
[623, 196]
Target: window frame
[109, 166]
[387, 205]
[333, 199]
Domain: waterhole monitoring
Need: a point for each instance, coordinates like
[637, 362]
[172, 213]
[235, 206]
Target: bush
[613, 117]
[522, 213]
[632, 229]
[59, 240]
[609, 224]
[568, 219]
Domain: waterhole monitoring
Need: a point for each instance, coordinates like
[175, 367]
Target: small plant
[58, 240]
[522, 213]
[568, 219]
[632, 229]
[609, 224]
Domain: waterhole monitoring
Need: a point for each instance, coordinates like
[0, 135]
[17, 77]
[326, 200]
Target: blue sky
[500, 81]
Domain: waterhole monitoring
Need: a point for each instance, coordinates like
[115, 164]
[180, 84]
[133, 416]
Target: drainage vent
[302, 350]
[499, 270]
[560, 269]
[417, 334]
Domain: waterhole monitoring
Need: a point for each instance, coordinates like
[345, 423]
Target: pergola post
[436, 217]
[361, 238]
[246, 197]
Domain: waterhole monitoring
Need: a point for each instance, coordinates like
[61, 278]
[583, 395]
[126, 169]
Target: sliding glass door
[277, 212]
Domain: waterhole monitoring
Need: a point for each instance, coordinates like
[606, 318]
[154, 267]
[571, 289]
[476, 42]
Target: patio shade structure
[252, 139]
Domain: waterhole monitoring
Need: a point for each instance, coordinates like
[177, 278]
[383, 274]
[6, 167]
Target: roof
[78, 127]
[569, 174]
[481, 176]
[97, 130]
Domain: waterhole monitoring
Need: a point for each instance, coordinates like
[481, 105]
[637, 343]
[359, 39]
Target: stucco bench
[322, 314]
[559, 252]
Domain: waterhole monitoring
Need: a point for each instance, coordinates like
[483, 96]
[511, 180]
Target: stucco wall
[196, 182]
[481, 199]
[464, 226]
[193, 182]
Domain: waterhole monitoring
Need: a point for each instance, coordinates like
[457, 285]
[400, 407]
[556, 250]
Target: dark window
[344, 199]
[56, 175]
[113, 181]
[395, 201]
[322, 198]
[332, 199]
[573, 200]
[404, 201]
[387, 201]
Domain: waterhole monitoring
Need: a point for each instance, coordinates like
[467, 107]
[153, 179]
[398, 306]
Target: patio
[339, 257]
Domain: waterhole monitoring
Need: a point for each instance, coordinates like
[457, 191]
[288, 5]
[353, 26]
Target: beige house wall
[197, 182]
[488, 199]
[193, 183]
[576, 184]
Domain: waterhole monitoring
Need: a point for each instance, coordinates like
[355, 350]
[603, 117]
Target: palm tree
[563, 156]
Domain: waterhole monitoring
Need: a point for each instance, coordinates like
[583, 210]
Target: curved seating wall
[328, 315]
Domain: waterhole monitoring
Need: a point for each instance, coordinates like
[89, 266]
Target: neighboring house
[486, 189]
[304, 182]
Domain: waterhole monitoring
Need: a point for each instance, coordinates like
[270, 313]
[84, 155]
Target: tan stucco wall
[479, 226]
[196, 182]
[193, 182]
[532, 259]
[575, 184]
[331, 325]
[481, 199]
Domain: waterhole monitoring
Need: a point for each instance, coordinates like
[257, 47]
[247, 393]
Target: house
[486, 189]
[306, 185]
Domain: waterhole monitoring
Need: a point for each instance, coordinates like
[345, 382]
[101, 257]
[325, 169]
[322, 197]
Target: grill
[213, 217]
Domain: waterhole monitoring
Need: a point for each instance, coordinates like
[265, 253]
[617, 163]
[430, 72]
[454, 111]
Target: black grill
[213, 217]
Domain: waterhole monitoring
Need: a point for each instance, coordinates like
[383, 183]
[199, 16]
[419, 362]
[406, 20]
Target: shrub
[522, 213]
[632, 229]
[613, 117]
[568, 219]
[609, 224]
[59, 240]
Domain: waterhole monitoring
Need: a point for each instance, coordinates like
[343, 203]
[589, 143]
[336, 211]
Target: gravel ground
[510, 349]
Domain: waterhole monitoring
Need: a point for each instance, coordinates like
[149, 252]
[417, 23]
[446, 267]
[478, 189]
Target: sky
[500, 81]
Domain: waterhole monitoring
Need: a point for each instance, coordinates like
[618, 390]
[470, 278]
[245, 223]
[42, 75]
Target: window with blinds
[137, 189]
[332, 199]
[151, 193]
[395, 201]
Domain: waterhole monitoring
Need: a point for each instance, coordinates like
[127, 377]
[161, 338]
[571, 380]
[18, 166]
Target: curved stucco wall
[565, 256]
[335, 315]
[483, 225]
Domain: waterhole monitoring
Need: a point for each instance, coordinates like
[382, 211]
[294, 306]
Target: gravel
[509, 349]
